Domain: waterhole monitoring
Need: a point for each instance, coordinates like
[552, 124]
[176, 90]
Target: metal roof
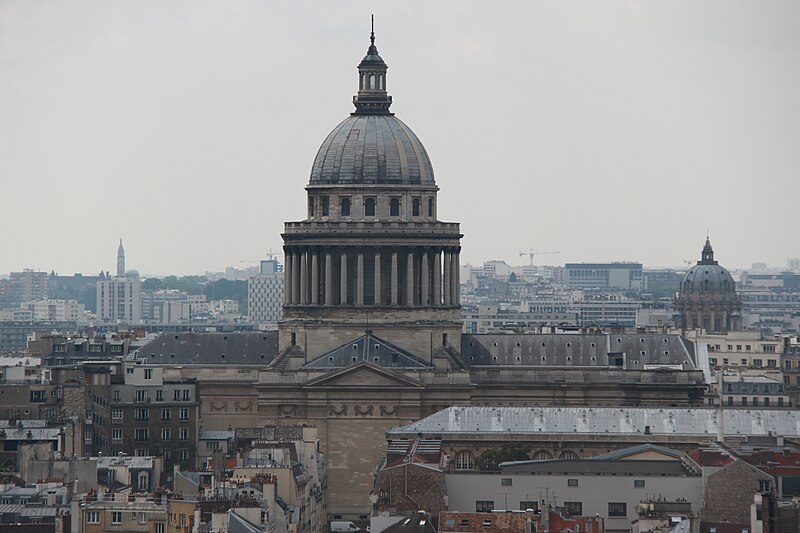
[604, 420]
[210, 348]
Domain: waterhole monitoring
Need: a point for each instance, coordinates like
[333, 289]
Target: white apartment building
[119, 299]
[265, 295]
[54, 310]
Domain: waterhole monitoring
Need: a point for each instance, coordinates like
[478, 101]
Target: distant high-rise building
[120, 260]
[119, 299]
[707, 297]
[26, 286]
[265, 295]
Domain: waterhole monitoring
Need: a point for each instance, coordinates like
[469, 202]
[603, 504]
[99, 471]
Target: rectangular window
[93, 517]
[142, 518]
[772, 363]
[186, 396]
[725, 361]
[116, 395]
[116, 414]
[116, 517]
[184, 413]
[505, 482]
[757, 363]
[617, 509]
[744, 400]
[744, 361]
[766, 402]
[638, 483]
[141, 434]
[787, 364]
[524, 505]
[763, 485]
[574, 508]
[166, 414]
[769, 348]
[148, 373]
[712, 361]
[572, 483]
[780, 402]
[159, 528]
[141, 396]
[184, 455]
[183, 434]
[159, 395]
[116, 434]
[484, 506]
[755, 401]
[142, 414]
[166, 453]
[176, 395]
[166, 433]
[142, 452]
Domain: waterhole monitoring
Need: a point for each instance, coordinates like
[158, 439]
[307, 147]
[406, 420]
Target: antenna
[372, 34]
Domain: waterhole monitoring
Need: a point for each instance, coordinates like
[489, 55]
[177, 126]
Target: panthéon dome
[372, 146]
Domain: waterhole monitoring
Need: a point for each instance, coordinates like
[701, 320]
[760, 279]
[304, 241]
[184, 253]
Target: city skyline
[193, 143]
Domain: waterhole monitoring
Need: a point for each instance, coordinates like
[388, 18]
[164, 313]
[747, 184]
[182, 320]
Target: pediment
[365, 375]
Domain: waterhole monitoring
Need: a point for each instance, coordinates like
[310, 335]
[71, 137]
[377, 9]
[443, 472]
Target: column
[437, 278]
[724, 323]
[360, 280]
[287, 278]
[315, 278]
[410, 279]
[425, 282]
[295, 278]
[454, 275]
[378, 286]
[394, 278]
[328, 278]
[447, 272]
[343, 279]
[304, 278]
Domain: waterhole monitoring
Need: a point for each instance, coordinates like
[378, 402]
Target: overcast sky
[604, 130]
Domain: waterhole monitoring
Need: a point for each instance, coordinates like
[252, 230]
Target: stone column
[343, 279]
[328, 278]
[410, 279]
[360, 280]
[304, 278]
[724, 324]
[454, 289]
[437, 277]
[315, 278]
[295, 278]
[448, 271]
[425, 281]
[378, 286]
[287, 278]
[394, 278]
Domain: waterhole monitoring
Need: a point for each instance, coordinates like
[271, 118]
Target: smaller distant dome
[707, 274]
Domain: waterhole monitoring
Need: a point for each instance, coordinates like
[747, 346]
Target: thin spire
[372, 33]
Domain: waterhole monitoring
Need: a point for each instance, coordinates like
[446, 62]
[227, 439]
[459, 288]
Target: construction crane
[530, 253]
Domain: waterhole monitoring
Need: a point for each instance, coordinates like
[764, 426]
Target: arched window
[369, 207]
[415, 207]
[363, 81]
[394, 207]
[344, 210]
[372, 81]
[568, 454]
[542, 456]
[430, 207]
[380, 82]
[464, 461]
[325, 206]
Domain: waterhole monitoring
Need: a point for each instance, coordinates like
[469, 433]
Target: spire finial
[372, 32]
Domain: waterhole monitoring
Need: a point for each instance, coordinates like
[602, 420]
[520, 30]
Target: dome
[372, 149]
[707, 274]
[707, 278]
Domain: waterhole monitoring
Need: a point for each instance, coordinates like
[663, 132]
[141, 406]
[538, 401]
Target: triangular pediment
[368, 348]
[364, 374]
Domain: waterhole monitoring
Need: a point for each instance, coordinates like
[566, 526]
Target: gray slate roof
[696, 421]
[370, 348]
[589, 466]
[641, 350]
[372, 149]
[210, 348]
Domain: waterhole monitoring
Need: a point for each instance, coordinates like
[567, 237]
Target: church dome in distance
[372, 146]
[707, 274]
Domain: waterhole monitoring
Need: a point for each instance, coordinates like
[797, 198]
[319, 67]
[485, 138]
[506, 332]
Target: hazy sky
[605, 130]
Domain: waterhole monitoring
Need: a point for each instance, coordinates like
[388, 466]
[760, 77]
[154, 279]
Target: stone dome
[707, 275]
[372, 149]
